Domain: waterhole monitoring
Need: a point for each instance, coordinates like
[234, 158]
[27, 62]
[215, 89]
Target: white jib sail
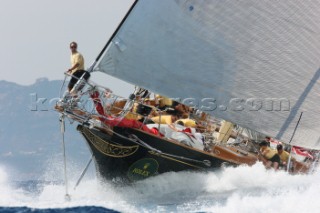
[254, 63]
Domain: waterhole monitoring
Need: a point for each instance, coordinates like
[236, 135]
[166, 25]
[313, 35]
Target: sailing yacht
[251, 67]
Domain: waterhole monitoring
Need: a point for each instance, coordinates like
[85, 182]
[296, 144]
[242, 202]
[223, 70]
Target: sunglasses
[73, 47]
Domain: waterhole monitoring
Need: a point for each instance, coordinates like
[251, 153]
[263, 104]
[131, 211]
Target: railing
[80, 105]
[81, 93]
[80, 99]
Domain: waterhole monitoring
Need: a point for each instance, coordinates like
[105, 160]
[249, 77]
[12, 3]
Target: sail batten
[256, 61]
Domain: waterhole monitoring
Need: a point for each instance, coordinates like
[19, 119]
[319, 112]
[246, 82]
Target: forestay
[239, 59]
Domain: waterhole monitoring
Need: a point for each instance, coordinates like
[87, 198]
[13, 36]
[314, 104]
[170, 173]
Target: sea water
[231, 189]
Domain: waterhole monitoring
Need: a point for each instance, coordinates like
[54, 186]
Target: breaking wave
[239, 189]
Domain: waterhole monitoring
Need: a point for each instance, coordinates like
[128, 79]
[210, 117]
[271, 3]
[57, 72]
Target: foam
[240, 189]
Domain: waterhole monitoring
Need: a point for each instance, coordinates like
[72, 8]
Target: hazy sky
[35, 35]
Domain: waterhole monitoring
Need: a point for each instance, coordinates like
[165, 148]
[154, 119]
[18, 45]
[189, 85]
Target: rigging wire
[83, 172]
[294, 132]
[62, 123]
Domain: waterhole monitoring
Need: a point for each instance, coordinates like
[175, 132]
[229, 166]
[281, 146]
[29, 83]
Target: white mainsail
[239, 59]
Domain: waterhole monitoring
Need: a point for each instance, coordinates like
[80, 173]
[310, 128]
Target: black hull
[118, 158]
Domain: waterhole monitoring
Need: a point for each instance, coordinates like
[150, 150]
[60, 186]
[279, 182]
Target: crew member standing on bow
[77, 65]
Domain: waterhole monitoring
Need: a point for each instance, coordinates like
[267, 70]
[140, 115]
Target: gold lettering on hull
[140, 172]
[142, 169]
[108, 148]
